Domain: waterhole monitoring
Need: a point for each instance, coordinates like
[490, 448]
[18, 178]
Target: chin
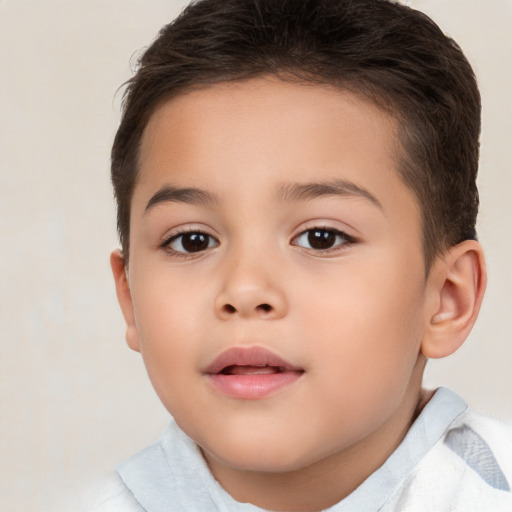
[268, 457]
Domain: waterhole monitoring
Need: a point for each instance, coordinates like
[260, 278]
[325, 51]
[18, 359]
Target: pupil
[194, 242]
[321, 239]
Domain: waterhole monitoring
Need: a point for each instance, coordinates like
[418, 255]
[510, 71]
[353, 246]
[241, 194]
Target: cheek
[167, 303]
[363, 351]
[368, 323]
[168, 318]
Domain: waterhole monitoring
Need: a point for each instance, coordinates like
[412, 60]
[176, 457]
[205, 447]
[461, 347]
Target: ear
[119, 269]
[457, 284]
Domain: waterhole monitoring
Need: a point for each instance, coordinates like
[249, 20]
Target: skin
[359, 318]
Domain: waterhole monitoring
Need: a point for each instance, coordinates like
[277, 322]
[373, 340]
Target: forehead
[265, 107]
[254, 136]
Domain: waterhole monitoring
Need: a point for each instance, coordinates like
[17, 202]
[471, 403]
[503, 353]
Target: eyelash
[325, 230]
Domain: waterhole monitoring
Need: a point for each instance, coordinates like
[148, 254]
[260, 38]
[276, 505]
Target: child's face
[271, 215]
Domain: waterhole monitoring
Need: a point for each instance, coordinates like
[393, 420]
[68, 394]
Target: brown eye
[194, 241]
[321, 239]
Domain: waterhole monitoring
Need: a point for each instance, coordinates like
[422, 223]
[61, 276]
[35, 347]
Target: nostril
[229, 308]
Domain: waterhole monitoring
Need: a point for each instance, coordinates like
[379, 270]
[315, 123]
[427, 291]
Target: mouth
[235, 369]
[251, 373]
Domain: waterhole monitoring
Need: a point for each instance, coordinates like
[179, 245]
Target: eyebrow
[292, 192]
[190, 195]
[289, 192]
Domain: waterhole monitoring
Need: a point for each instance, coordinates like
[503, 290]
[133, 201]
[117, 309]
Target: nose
[251, 290]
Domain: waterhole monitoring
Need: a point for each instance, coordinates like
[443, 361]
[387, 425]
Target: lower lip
[253, 387]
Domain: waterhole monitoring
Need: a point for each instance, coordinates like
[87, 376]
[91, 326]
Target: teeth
[251, 370]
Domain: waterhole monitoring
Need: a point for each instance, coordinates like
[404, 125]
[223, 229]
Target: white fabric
[451, 460]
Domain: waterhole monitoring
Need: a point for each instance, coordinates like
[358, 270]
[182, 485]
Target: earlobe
[458, 281]
[118, 264]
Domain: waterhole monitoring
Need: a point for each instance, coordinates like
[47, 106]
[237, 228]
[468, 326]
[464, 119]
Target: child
[296, 197]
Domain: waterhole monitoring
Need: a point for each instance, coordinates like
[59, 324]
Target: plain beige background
[74, 400]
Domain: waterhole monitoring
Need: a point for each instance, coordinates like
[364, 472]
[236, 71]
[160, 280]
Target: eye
[322, 239]
[190, 242]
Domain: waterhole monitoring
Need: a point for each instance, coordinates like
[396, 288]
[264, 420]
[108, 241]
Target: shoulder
[467, 466]
[110, 495]
[469, 469]
[482, 441]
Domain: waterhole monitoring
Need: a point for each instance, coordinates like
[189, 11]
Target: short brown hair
[394, 55]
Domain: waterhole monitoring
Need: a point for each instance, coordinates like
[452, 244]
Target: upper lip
[248, 356]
